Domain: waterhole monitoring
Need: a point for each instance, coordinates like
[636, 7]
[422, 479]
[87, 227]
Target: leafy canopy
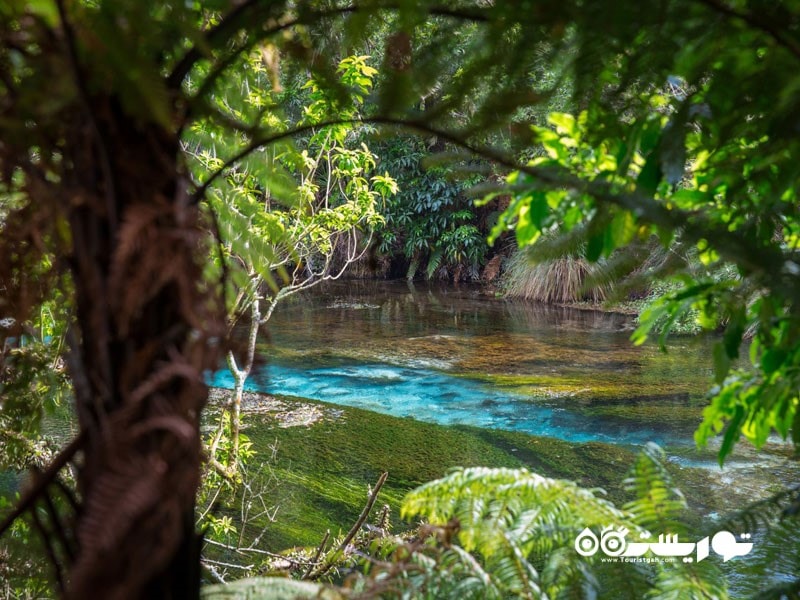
[686, 143]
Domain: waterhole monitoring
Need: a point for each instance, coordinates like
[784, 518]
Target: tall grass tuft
[556, 281]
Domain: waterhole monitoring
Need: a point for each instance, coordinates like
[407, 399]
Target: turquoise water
[453, 357]
[441, 398]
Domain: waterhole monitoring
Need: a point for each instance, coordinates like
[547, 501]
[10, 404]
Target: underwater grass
[325, 470]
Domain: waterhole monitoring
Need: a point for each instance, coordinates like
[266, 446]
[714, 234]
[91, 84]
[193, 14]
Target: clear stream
[446, 399]
[452, 356]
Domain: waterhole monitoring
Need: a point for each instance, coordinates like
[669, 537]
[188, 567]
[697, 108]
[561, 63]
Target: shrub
[558, 280]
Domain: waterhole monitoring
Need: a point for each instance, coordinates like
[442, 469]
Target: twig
[356, 526]
[364, 513]
[256, 144]
[67, 493]
[58, 528]
[49, 549]
[239, 18]
[253, 550]
[229, 565]
[210, 504]
[317, 554]
[219, 244]
[223, 471]
[211, 570]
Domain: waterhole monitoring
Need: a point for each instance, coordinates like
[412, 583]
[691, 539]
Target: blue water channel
[441, 398]
[429, 354]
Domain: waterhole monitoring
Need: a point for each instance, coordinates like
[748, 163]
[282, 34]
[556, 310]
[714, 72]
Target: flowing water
[418, 379]
[452, 356]
[560, 390]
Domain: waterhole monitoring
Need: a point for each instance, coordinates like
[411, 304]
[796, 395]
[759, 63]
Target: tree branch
[41, 482]
[50, 550]
[356, 526]
[246, 14]
[222, 32]
[317, 554]
[212, 571]
[256, 144]
[753, 258]
[756, 22]
[239, 550]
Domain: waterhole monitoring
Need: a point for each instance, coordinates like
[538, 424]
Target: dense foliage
[684, 162]
[684, 129]
[286, 219]
[430, 223]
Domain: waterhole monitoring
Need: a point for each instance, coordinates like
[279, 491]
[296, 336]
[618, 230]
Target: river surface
[454, 357]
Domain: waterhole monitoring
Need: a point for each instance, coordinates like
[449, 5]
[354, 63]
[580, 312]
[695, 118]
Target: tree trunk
[240, 375]
[145, 333]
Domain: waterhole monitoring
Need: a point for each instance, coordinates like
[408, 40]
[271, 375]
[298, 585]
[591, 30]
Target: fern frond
[566, 576]
[434, 262]
[689, 581]
[763, 514]
[512, 519]
[658, 505]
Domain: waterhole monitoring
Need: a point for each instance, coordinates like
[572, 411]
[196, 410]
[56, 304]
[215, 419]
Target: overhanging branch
[752, 257]
[756, 22]
[43, 479]
[246, 15]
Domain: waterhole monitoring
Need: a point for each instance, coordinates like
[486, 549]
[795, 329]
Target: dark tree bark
[142, 342]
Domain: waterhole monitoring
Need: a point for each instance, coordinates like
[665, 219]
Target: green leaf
[565, 124]
[732, 434]
[722, 362]
[650, 134]
[46, 9]
[594, 246]
[623, 228]
[772, 359]
[532, 215]
[734, 332]
[688, 198]
[539, 208]
[650, 176]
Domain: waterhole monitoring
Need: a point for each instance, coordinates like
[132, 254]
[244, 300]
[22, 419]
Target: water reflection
[452, 356]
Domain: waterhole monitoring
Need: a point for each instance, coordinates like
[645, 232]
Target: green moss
[325, 469]
[594, 465]
[611, 385]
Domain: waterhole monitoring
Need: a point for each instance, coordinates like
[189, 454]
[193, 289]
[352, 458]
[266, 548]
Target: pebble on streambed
[284, 413]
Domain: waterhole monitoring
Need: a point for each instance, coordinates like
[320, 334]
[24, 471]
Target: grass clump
[563, 280]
